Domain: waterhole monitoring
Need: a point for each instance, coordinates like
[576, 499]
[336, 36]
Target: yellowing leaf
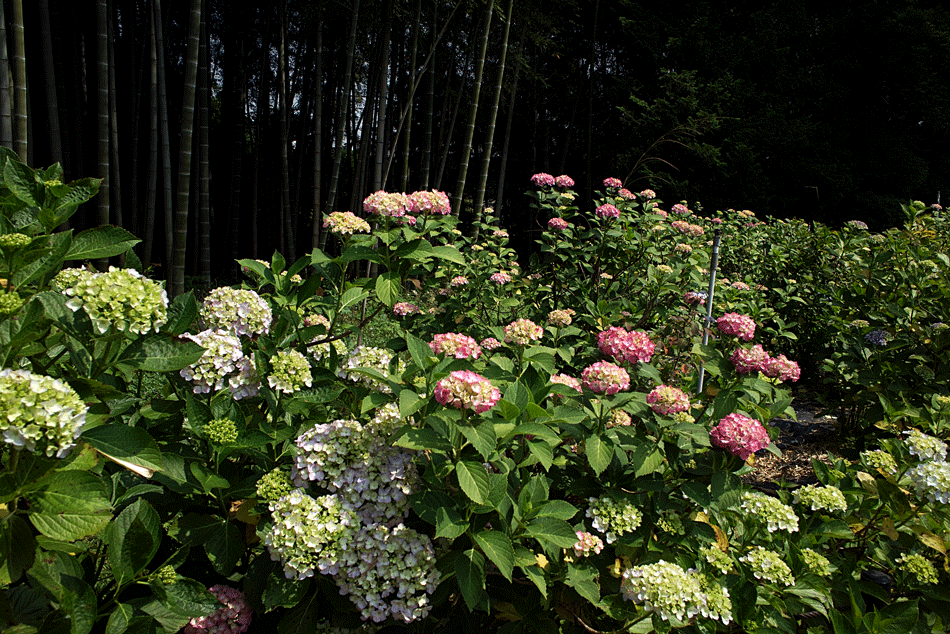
[934, 542]
[542, 561]
[721, 539]
[888, 528]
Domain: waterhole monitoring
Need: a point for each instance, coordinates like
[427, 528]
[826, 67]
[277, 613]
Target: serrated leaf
[100, 242]
[388, 288]
[470, 574]
[21, 182]
[17, 549]
[422, 439]
[78, 602]
[473, 479]
[599, 451]
[281, 592]
[182, 313]
[133, 538]
[933, 541]
[557, 508]
[409, 403]
[128, 446]
[536, 576]
[448, 253]
[497, 547]
[160, 353]
[552, 530]
[482, 437]
[46, 264]
[419, 350]
[351, 297]
[70, 505]
[584, 579]
[449, 523]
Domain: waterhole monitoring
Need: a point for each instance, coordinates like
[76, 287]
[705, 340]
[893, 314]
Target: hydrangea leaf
[473, 479]
[100, 242]
[497, 547]
[125, 445]
[158, 353]
[470, 573]
[600, 452]
[70, 505]
[133, 538]
[552, 531]
[281, 592]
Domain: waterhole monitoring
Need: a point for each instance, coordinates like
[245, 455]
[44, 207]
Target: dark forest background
[224, 129]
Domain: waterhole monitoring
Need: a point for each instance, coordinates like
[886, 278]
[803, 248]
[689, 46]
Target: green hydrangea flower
[772, 512]
[241, 311]
[274, 485]
[918, 566]
[166, 575]
[14, 241]
[221, 431]
[613, 518]
[717, 558]
[10, 303]
[39, 413]
[821, 498]
[121, 299]
[768, 565]
[291, 372]
[880, 460]
[664, 588]
[816, 563]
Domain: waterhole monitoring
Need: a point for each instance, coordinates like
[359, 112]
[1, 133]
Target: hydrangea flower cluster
[748, 360]
[499, 233]
[120, 298]
[459, 280]
[166, 575]
[542, 179]
[587, 543]
[521, 332]
[626, 194]
[561, 318]
[368, 357]
[613, 182]
[564, 181]
[827, 498]
[453, 344]
[310, 535]
[695, 297]
[717, 605]
[613, 518]
[860, 225]
[464, 389]
[403, 309]
[816, 563]
[490, 343]
[10, 303]
[223, 363]
[620, 345]
[382, 203]
[569, 381]
[40, 413]
[557, 223]
[429, 202]
[925, 447]
[742, 286]
[237, 309]
[683, 248]
[345, 223]
[649, 194]
[878, 338]
[607, 211]
[782, 368]
[322, 350]
[290, 372]
[740, 435]
[931, 480]
[771, 511]
[220, 431]
[234, 617]
[668, 400]
[500, 277]
[326, 450]
[273, 485]
[393, 575]
[768, 565]
[918, 566]
[881, 460]
[738, 325]
[14, 241]
[619, 418]
[664, 588]
[681, 209]
[605, 378]
[717, 559]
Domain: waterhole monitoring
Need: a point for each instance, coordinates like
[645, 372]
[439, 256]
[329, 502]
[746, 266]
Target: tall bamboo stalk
[342, 111]
[20, 121]
[6, 103]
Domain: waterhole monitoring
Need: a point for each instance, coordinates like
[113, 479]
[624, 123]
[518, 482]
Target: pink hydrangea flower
[649, 194]
[453, 344]
[716, 221]
[233, 617]
[405, 308]
[735, 324]
[459, 280]
[569, 381]
[694, 297]
[564, 181]
[429, 202]
[499, 233]
[749, 360]
[345, 223]
[681, 209]
[587, 543]
[742, 286]
[490, 343]
[543, 180]
[740, 435]
[613, 182]
[561, 318]
[660, 212]
[557, 223]
[782, 369]
[683, 248]
[680, 225]
[500, 278]
[626, 194]
[464, 389]
[385, 204]
[605, 378]
[619, 418]
[607, 211]
[523, 331]
[632, 347]
[668, 400]
[695, 231]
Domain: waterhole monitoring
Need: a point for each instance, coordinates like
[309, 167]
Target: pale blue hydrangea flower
[222, 364]
[39, 413]
[925, 447]
[932, 480]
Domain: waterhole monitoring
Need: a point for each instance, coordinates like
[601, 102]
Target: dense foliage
[527, 451]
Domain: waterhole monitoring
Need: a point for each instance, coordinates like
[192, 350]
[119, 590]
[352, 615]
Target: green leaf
[423, 439]
[303, 618]
[222, 540]
[100, 242]
[181, 314]
[131, 447]
[536, 575]
[409, 403]
[69, 505]
[448, 253]
[419, 350]
[449, 523]
[46, 264]
[698, 493]
[518, 394]
[388, 288]
[584, 579]
[552, 530]
[17, 549]
[473, 479]
[540, 451]
[557, 508]
[281, 592]
[208, 480]
[160, 353]
[20, 180]
[507, 409]
[351, 297]
[600, 452]
[470, 574]
[133, 538]
[78, 602]
[482, 437]
[497, 547]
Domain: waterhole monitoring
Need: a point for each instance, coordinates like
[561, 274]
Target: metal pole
[709, 301]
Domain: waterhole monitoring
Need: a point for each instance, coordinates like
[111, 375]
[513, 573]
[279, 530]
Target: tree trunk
[164, 134]
[430, 106]
[116, 187]
[184, 152]
[414, 46]
[236, 103]
[102, 116]
[342, 111]
[318, 139]
[49, 70]
[473, 112]
[447, 142]
[148, 239]
[20, 120]
[492, 116]
[288, 241]
[204, 170]
[500, 196]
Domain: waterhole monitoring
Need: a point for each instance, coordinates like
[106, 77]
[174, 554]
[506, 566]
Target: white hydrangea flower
[39, 413]
[664, 588]
[777, 516]
[717, 558]
[717, 605]
[768, 565]
[236, 309]
[613, 518]
[926, 447]
[122, 299]
[931, 480]
[816, 562]
[368, 357]
[290, 372]
[816, 497]
[222, 364]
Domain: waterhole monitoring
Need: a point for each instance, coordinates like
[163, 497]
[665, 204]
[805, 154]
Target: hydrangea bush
[551, 465]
